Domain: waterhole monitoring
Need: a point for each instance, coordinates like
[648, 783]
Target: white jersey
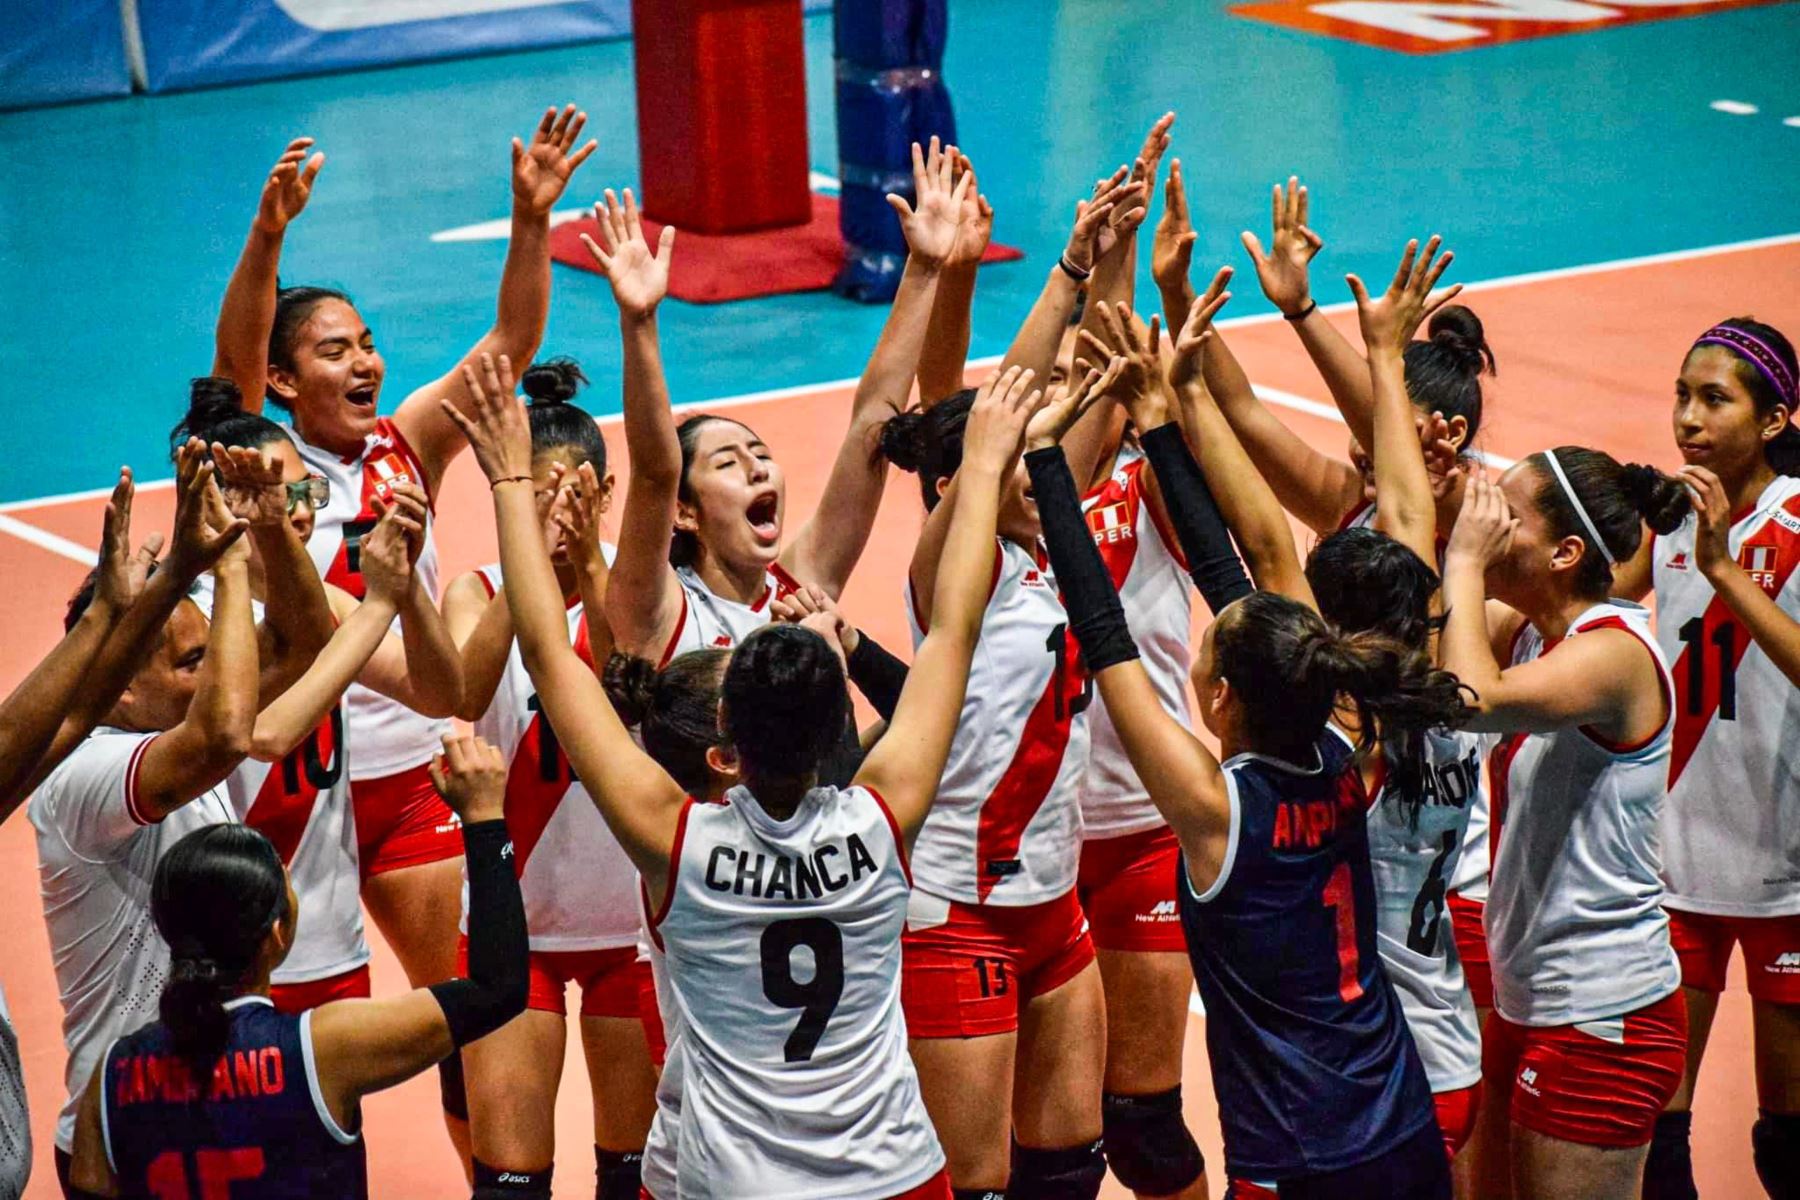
[709, 620]
[390, 737]
[782, 948]
[97, 855]
[1006, 828]
[579, 888]
[1413, 857]
[1575, 921]
[656, 1172]
[1147, 567]
[15, 1121]
[1731, 827]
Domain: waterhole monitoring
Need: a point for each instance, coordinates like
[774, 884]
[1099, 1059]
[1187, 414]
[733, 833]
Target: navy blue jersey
[1312, 1063]
[255, 1127]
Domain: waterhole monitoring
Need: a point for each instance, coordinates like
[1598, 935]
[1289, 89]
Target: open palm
[541, 170]
[639, 275]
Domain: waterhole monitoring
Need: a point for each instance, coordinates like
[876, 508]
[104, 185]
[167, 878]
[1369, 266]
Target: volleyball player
[227, 1094]
[580, 889]
[1587, 1040]
[825, 1102]
[308, 351]
[1728, 617]
[713, 485]
[1320, 1090]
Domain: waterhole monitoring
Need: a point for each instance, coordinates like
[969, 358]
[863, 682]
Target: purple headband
[1758, 353]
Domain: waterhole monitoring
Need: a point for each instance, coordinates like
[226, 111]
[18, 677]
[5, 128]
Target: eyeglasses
[314, 491]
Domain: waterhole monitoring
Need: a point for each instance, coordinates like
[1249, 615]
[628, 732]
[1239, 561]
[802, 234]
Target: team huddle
[1453, 837]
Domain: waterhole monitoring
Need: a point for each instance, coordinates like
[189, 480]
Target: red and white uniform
[1006, 828]
[390, 737]
[710, 620]
[1575, 915]
[97, 856]
[656, 1173]
[782, 954]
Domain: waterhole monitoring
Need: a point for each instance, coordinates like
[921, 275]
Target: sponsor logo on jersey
[1786, 519]
[1786, 963]
[1528, 1080]
[1679, 562]
[1163, 911]
[1034, 578]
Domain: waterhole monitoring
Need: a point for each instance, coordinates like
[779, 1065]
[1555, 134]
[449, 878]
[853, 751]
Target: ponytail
[675, 709]
[1591, 495]
[928, 442]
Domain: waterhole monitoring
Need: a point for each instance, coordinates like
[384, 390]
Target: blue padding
[57, 50]
[910, 33]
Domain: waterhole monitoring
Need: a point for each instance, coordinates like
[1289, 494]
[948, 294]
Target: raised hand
[1150, 154]
[122, 573]
[639, 276]
[1093, 219]
[495, 422]
[1139, 384]
[932, 222]
[1283, 271]
[1390, 320]
[199, 541]
[387, 552]
[1190, 342]
[1067, 405]
[1484, 528]
[288, 187]
[1127, 214]
[252, 488]
[1172, 250]
[541, 170]
[582, 502]
[813, 607]
[1712, 511]
[976, 226]
[1443, 461]
[997, 419]
[471, 777]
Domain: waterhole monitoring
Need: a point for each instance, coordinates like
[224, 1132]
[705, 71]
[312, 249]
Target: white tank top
[1575, 921]
[656, 1173]
[390, 737]
[1731, 827]
[1413, 860]
[1146, 565]
[1006, 828]
[579, 887]
[782, 948]
[709, 620]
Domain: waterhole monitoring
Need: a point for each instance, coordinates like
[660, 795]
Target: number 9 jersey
[781, 943]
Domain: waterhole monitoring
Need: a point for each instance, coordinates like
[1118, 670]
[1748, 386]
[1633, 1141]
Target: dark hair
[215, 413]
[684, 547]
[1620, 499]
[785, 702]
[676, 710]
[557, 424]
[215, 896]
[293, 305]
[1783, 451]
[1290, 669]
[929, 441]
[1443, 372]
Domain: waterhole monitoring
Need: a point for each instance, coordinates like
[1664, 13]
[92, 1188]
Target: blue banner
[57, 50]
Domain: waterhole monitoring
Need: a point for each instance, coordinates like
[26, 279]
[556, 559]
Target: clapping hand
[495, 422]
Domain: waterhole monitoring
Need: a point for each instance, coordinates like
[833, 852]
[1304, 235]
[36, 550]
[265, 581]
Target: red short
[935, 1188]
[1456, 1113]
[402, 822]
[1127, 888]
[610, 980]
[650, 1013]
[1601, 1083]
[1771, 953]
[966, 974]
[1471, 946]
[298, 997]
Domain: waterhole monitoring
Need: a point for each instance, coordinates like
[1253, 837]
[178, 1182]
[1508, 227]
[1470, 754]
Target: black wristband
[499, 948]
[1072, 271]
[1205, 540]
[1096, 617]
[877, 674]
[1311, 306]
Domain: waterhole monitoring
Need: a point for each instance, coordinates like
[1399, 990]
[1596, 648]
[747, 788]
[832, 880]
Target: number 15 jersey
[781, 943]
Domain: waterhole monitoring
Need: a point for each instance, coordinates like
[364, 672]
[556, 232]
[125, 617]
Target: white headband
[1580, 511]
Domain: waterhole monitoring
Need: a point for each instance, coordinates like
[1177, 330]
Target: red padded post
[721, 96]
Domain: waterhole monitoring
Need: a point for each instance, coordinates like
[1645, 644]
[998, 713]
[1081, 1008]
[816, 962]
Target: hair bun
[1661, 500]
[904, 441]
[1457, 329]
[630, 684]
[553, 381]
[212, 398]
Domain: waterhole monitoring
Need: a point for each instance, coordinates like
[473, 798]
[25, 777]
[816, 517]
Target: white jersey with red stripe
[1006, 828]
[709, 620]
[781, 943]
[579, 887]
[390, 737]
[97, 856]
[1575, 919]
[1731, 827]
[1146, 565]
[1414, 855]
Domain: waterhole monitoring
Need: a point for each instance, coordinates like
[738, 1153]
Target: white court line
[49, 541]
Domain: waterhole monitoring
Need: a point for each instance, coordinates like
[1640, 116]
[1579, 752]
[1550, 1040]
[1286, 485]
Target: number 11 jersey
[781, 947]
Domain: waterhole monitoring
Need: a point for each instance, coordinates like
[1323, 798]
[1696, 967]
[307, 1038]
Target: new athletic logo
[1162, 911]
[1528, 1080]
[1786, 963]
[1679, 562]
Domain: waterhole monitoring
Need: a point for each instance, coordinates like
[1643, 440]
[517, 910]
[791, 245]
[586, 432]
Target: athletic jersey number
[1725, 638]
[216, 1170]
[1339, 896]
[306, 757]
[1067, 706]
[354, 533]
[553, 765]
[1428, 907]
[818, 997]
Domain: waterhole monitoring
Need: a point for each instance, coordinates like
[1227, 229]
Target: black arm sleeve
[1096, 617]
[878, 675]
[499, 950]
[1205, 540]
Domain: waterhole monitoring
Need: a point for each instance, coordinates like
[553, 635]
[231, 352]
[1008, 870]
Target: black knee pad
[499, 1183]
[1148, 1144]
[1775, 1144]
[1669, 1169]
[450, 1086]
[617, 1174]
[1069, 1173]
